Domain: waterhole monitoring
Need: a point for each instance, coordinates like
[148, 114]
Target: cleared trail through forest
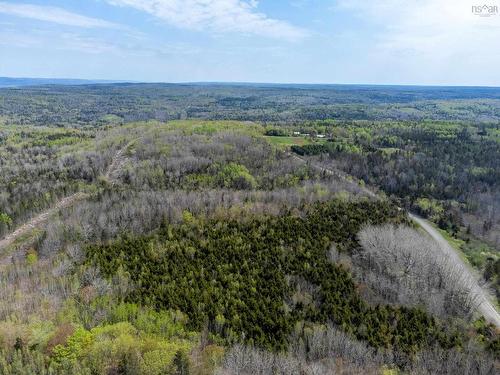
[335, 173]
[68, 201]
[486, 306]
[40, 218]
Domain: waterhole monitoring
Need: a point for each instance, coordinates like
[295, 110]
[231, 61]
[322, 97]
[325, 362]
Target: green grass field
[286, 142]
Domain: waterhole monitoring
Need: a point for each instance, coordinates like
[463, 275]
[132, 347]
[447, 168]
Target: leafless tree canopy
[404, 266]
[329, 351]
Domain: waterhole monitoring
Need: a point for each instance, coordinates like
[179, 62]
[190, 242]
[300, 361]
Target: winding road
[486, 306]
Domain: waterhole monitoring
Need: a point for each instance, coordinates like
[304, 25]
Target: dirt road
[68, 201]
[40, 219]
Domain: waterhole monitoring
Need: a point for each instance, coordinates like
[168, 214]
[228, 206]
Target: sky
[420, 42]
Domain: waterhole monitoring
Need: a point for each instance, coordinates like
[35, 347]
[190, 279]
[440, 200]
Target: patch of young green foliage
[235, 176]
[234, 275]
[189, 127]
[132, 340]
[51, 137]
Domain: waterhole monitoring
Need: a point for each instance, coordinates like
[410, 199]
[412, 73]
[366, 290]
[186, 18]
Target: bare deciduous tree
[403, 266]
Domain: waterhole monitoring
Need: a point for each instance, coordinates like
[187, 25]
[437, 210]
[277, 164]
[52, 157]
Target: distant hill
[94, 103]
[19, 82]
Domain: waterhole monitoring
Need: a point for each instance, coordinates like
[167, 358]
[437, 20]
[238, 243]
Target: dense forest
[267, 233]
[447, 172]
[97, 105]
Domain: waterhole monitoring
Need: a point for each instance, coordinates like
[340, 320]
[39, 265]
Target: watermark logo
[485, 10]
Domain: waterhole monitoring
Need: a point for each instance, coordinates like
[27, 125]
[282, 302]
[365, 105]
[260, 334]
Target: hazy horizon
[243, 83]
[385, 42]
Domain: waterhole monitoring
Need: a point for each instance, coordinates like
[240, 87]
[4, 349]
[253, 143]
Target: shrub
[76, 345]
[236, 176]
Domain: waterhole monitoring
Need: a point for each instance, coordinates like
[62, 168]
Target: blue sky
[439, 42]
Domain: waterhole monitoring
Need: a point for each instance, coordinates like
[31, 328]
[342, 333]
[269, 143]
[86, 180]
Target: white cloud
[53, 15]
[428, 27]
[219, 16]
[51, 40]
[438, 41]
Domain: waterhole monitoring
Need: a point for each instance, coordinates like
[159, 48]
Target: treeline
[447, 172]
[332, 146]
[235, 276]
[327, 350]
[100, 105]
